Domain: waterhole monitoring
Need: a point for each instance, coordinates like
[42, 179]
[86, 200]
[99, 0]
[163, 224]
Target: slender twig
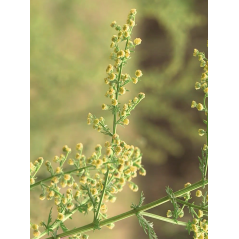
[56, 175]
[165, 219]
[191, 205]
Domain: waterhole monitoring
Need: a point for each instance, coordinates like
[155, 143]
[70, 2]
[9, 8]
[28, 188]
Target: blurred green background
[69, 54]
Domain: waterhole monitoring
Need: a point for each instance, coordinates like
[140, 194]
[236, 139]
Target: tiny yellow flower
[126, 27]
[122, 90]
[112, 76]
[206, 90]
[131, 23]
[60, 216]
[109, 68]
[194, 104]
[200, 213]
[71, 162]
[114, 38]
[135, 100]
[67, 176]
[36, 233]
[132, 12]
[142, 171]
[110, 226]
[35, 227]
[200, 107]
[109, 151]
[138, 73]
[201, 132]
[141, 95]
[32, 181]
[126, 34]
[114, 102]
[113, 24]
[104, 107]
[187, 185]
[121, 54]
[112, 45]
[79, 146]
[195, 52]
[135, 80]
[137, 41]
[126, 121]
[198, 193]
[197, 85]
[169, 213]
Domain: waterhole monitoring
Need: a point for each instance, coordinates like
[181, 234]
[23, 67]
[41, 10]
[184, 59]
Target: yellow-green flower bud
[200, 107]
[205, 147]
[202, 63]
[141, 96]
[130, 44]
[60, 216]
[114, 102]
[126, 27]
[187, 185]
[195, 52]
[197, 85]
[200, 213]
[135, 80]
[135, 100]
[79, 147]
[109, 68]
[206, 90]
[131, 23]
[137, 41]
[112, 76]
[138, 73]
[36, 233]
[71, 162]
[133, 12]
[122, 90]
[32, 181]
[121, 54]
[114, 38]
[113, 24]
[198, 193]
[110, 226]
[35, 227]
[194, 104]
[201, 132]
[105, 107]
[169, 213]
[142, 171]
[112, 45]
[126, 121]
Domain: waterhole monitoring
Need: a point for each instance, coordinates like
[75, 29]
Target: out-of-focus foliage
[69, 53]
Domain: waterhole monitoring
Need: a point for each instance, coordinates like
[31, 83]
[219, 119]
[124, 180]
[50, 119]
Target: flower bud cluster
[200, 228]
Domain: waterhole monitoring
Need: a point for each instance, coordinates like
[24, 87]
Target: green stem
[56, 175]
[165, 219]
[102, 196]
[133, 212]
[37, 169]
[190, 205]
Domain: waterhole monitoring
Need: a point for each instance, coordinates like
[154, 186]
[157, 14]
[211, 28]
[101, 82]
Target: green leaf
[49, 218]
[63, 227]
[147, 226]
